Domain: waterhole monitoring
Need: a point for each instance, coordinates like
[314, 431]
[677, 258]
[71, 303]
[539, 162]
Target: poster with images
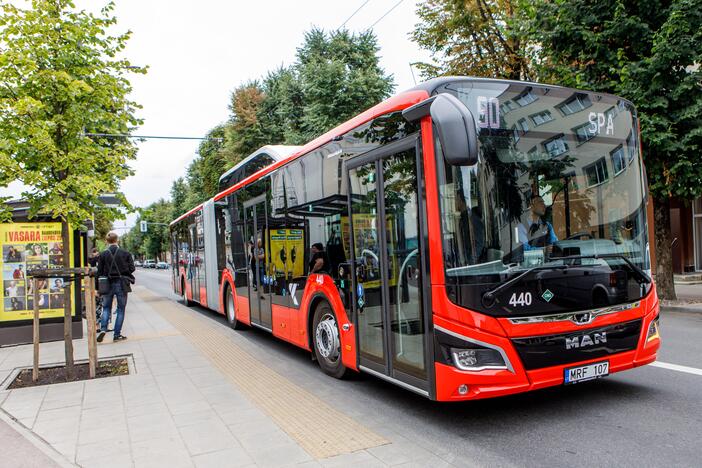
[26, 247]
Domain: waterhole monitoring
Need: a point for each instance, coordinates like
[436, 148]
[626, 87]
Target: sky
[198, 52]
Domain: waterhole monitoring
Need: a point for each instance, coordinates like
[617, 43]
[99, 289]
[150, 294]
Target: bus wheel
[231, 309]
[327, 344]
[183, 295]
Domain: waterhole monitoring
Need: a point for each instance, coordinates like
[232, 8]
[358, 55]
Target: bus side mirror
[455, 127]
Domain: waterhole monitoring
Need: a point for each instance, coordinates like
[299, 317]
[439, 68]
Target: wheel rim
[230, 308]
[327, 338]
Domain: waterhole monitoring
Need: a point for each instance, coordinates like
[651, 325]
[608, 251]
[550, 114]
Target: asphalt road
[649, 416]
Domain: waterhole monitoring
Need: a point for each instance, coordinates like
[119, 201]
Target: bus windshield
[559, 183]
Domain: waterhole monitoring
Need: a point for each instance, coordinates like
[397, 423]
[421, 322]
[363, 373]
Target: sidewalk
[193, 398]
[689, 299]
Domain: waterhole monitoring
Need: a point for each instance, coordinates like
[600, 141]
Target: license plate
[583, 373]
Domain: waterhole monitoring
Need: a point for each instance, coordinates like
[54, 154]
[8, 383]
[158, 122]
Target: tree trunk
[664, 251]
[67, 316]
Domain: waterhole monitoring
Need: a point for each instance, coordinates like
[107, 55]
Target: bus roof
[277, 152]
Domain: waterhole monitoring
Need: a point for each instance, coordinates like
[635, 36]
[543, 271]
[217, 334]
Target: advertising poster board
[287, 250]
[26, 246]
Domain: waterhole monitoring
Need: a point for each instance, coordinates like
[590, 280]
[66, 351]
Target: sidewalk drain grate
[317, 427]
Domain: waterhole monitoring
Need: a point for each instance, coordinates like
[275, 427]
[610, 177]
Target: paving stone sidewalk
[175, 409]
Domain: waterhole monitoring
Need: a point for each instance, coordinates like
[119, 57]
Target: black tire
[326, 342]
[184, 298]
[230, 309]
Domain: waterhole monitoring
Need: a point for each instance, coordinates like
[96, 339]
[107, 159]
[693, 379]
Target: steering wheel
[578, 235]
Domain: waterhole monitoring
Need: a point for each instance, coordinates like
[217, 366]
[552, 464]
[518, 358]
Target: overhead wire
[386, 14]
[160, 137]
[352, 15]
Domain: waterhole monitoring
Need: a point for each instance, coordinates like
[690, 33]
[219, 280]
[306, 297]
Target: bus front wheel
[326, 341]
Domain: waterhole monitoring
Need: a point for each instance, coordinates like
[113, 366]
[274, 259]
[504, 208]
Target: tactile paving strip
[317, 427]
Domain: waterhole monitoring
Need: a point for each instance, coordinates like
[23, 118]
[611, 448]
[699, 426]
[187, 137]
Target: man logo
[581, 319]
[585, 340]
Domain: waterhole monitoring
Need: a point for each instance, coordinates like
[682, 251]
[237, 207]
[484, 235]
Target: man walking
[117, 265]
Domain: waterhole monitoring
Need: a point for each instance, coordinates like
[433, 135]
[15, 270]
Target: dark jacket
[123, 264]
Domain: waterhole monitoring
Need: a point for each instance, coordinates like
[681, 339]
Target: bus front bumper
[453, 384]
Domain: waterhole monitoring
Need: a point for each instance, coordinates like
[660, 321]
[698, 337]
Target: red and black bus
[465, 239]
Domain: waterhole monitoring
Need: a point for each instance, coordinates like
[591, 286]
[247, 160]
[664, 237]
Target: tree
[484, 38]
[179, 197]
[650, 53]
[61, 79]
[340, 76]
[243, 131]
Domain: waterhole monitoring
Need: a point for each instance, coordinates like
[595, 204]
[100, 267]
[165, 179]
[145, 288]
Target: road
[648, 416]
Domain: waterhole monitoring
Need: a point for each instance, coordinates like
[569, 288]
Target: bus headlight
[653, 330]
[474, 359]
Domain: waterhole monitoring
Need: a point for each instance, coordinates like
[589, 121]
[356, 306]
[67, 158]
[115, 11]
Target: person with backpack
[115, 271]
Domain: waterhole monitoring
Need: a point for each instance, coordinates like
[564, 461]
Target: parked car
[137, 263]
[150, 264]
[162, 266]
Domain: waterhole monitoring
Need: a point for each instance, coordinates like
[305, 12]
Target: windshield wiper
[488, 298]
[637, 269]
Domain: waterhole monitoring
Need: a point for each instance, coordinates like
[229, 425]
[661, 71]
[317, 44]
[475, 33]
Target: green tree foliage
[102, 225]
[179, 197]
[650, 53]
[483, 38]
[339, 75]
[60, 79]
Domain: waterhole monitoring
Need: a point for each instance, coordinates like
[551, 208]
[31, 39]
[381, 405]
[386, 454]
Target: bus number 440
[521, 300]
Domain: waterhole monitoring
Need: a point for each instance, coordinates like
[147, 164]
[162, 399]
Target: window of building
[596, 173]
[584, 133]
[541, 118]
[556, 146]
[525, 98]
[575, 104]
[618, 161]
[508, 106]
[631, 146]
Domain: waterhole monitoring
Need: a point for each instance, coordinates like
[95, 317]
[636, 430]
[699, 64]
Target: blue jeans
[116, 291]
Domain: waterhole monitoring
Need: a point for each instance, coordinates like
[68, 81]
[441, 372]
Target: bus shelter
[29, 245]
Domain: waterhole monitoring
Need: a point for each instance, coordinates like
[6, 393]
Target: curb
[42, 445]
[689, 309]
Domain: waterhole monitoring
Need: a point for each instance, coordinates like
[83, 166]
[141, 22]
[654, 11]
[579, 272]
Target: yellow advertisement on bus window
[25, 247]
[287, 250]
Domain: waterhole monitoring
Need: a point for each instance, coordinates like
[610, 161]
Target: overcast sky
[198, 52]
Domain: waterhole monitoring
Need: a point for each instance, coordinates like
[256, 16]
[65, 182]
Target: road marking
[676, 367]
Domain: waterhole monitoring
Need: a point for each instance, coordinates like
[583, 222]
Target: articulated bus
[465, 239]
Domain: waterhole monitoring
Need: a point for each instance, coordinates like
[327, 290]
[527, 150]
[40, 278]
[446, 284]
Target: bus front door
[258, 255]
[388, 310]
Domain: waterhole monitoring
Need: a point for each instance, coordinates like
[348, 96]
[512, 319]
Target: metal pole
[35, 329]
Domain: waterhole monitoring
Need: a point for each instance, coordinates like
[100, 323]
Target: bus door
[193, 274]
[388, 303]
[258, 258]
